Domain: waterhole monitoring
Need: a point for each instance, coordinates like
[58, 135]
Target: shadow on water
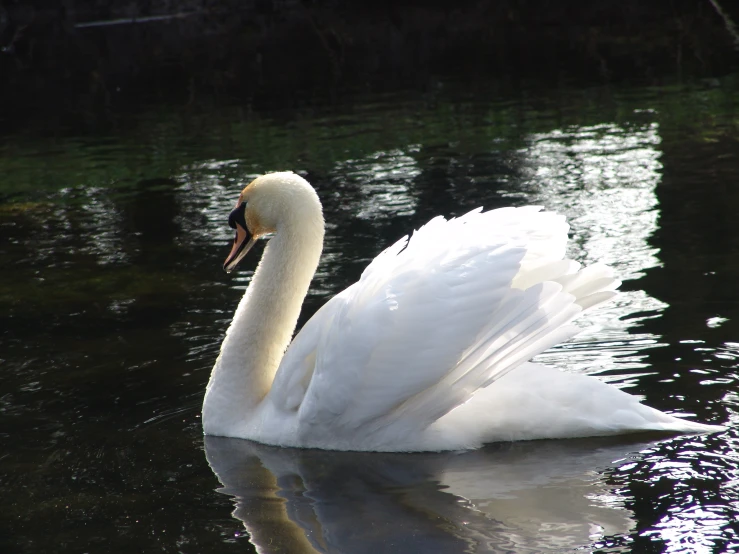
[543, 496]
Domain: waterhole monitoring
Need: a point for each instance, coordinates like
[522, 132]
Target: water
[113, 304]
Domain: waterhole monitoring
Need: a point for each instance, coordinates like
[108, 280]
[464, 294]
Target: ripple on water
[117, 303]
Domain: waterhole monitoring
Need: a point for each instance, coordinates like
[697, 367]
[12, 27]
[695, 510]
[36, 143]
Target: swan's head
[273, 203]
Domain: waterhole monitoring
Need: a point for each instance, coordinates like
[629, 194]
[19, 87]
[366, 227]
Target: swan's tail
[540, 402]
[676, 424]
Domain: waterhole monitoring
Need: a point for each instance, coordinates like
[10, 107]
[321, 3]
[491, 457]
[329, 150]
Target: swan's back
[432, 320]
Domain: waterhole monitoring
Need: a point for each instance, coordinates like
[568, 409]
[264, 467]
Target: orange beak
[243, 241]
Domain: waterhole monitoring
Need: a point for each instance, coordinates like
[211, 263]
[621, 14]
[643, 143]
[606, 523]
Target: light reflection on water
[382, 183]
[604, 179]
[115, 320]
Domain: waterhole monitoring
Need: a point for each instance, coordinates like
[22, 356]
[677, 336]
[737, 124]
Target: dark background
[78, 63]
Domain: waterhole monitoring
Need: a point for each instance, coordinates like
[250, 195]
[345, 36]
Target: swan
[428, 351]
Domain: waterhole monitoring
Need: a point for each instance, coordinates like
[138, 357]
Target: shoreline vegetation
[87, 59]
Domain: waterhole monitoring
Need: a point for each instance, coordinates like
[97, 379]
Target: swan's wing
[435, 318]
[298, 364]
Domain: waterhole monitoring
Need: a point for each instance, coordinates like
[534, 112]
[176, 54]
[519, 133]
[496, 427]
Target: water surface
[113, 305]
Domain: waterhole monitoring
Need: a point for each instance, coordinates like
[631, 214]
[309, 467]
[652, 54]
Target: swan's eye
[237, 216]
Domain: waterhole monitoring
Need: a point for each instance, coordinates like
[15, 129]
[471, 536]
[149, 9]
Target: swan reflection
[540, 496]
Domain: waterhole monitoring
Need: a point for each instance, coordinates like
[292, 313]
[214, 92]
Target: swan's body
[429, 350]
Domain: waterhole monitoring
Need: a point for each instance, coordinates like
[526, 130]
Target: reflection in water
[381, 181]
[101, 227]
[691, 479]
[521, 497]
[604, 178]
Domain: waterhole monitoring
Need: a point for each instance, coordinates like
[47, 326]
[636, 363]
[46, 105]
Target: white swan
[429, 350]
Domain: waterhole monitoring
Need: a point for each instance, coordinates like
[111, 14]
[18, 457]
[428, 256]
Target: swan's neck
[261, 328]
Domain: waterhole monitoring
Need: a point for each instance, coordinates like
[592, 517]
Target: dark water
[113, 305]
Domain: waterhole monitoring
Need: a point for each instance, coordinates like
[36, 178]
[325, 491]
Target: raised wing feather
[435, 318]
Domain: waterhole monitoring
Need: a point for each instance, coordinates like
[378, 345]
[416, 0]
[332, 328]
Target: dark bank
[83, 61]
